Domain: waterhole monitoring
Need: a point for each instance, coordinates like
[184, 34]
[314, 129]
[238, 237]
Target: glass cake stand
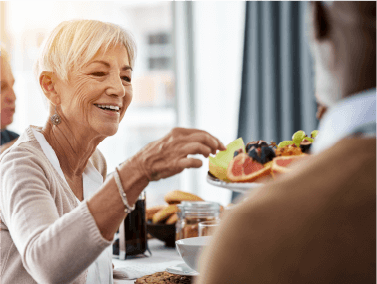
[233, 186]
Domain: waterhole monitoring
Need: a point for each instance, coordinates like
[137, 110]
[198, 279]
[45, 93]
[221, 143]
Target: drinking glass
[207, 228]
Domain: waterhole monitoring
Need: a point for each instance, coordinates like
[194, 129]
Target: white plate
[182, 269]
[234, 186]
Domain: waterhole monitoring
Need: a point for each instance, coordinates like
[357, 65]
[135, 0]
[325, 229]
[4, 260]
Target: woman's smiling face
[96, 97]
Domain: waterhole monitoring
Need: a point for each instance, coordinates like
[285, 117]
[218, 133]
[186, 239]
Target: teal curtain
[277, 93]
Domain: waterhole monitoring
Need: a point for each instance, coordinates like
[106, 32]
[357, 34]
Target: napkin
[139, 270]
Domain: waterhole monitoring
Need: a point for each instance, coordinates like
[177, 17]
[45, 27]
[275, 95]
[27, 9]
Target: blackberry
[267, 154]
[262, 143]
[251, 144]
[255, 154]
[256, 144]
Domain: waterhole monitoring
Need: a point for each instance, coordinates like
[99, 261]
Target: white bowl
[191, 248]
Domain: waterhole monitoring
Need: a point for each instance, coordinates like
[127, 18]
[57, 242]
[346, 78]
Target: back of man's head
[344, 48]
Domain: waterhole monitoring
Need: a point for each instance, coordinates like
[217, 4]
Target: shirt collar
[92, 178]
[344, 118]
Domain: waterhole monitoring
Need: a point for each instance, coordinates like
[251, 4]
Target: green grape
[285, 143]
[314, 134]
[308, 139]
[298, 136]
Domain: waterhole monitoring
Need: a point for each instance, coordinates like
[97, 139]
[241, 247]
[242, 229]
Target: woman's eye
[98, 74]
[126, 78]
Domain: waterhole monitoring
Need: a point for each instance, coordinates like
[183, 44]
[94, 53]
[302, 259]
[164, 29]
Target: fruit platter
[243, 167]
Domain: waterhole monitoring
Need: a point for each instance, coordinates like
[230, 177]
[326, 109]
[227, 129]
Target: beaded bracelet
[128, 208]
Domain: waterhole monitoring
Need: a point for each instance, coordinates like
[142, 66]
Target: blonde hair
[72, 44]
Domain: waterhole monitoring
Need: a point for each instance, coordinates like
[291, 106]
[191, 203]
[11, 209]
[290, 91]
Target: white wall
[218, 51]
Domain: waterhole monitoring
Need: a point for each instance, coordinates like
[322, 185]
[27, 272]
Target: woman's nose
[116, 86]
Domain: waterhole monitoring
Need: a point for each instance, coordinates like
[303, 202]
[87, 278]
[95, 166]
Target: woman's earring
[56, 119]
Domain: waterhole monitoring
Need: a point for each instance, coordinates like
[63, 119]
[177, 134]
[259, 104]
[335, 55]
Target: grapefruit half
[281, 164]
[244, 169]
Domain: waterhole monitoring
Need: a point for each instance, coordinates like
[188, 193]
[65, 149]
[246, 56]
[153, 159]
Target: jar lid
[199, 206]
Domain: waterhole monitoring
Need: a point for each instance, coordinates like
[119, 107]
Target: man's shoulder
[343, 173]
[349, 159]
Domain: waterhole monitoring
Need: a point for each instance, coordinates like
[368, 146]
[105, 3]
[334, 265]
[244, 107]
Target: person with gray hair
[316, 224]
[59, 214]
[8, 98]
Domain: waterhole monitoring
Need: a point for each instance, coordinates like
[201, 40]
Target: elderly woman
[59, 216]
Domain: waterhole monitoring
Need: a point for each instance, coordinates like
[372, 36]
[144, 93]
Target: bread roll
[164, 213]
[153, 210]
[177, 196]
[172, 219]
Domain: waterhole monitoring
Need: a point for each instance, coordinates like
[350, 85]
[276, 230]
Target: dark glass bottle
[132, 232]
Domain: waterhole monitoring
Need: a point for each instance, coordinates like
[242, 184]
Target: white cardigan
[46, 235]
[100, 271]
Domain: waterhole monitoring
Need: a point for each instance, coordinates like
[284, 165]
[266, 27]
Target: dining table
[159, 258]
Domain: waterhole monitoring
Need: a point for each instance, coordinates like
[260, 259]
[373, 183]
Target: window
[160, 50]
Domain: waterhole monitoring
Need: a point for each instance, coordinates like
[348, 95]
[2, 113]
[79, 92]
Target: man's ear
[321, 22]
[47, 80]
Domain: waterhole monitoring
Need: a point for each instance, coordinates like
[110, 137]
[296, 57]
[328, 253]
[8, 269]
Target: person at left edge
[8, 98]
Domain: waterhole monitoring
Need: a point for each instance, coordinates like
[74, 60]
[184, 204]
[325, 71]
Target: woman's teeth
[108, 107]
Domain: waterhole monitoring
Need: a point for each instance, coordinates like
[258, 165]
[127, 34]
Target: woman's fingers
[206, 139]
[195, 148]
[187, 163]
[196, 135]
[168, 156]
[165, 170]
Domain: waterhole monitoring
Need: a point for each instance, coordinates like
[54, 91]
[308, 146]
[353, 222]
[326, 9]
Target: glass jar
[178, 224]
[192, 213]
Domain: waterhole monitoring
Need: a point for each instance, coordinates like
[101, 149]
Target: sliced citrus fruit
[288, 150]
[244, 169]
[280, 164]
[268, 164]
[218, 165]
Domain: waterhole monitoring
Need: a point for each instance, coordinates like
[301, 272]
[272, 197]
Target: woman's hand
[160, 159]
[168, 156]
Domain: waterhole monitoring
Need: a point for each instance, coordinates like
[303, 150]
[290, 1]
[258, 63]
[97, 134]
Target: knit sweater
[46, 235]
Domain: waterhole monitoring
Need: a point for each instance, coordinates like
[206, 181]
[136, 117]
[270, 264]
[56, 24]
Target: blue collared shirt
[352, 115]
[8, 136]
